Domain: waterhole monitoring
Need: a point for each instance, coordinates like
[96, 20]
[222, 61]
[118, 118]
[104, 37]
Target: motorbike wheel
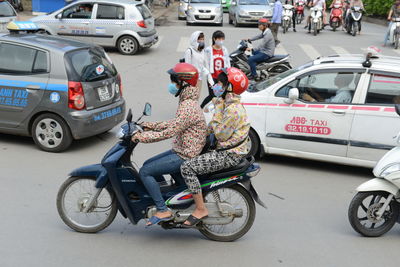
[354, 28]
[315, 29]
[275, 70]
[284, 28]
[72, 197]
[300, 18]
[362, 211]
[241, 198]
[396, 41]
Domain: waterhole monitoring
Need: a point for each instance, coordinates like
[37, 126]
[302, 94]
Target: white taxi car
[333, 109]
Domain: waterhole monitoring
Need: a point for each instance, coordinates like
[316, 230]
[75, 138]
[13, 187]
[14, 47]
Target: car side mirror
[147, 110]
[292, 96]
[59, 16]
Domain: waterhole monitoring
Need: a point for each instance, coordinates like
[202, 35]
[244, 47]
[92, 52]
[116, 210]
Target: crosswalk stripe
[184, 43]
[310, 51]
[396, 51]
[281, 50]
[160, 38]
[340, 50]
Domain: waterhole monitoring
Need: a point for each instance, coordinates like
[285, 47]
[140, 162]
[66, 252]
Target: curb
[376, 21]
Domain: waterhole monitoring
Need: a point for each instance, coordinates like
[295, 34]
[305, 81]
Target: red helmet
[263, 21]
[237, 79]
[185, 72]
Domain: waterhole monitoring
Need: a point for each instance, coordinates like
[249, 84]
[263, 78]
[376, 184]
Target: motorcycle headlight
[390, 169]
[242, 12]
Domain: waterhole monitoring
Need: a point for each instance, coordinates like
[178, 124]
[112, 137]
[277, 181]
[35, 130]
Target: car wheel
[128, 45]
[51, 133]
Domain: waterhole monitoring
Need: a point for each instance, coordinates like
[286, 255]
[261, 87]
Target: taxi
[56, 90]
[336, 109]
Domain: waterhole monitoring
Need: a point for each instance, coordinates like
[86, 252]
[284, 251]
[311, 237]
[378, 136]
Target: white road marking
[340, 50]
[280, 50]
[160, 38]
[184, 43]
[397, 51]
[310, 51]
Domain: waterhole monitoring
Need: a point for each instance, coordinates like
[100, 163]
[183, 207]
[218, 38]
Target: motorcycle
[17, 4]
[273, 66]
[335, 20]
[376, 207]
[394, 33]
[287, 15]
[353, 20]
[90, 198]
[316, 20]
[300, 12]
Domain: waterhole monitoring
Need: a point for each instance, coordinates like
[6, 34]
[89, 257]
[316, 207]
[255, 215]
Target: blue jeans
[153, 170]
[256, 58]
[387, 33]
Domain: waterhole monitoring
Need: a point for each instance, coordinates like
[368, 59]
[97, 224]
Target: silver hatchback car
[125, 24]
[57, 90]
[249, 11]
[7, 14]
[205, 11]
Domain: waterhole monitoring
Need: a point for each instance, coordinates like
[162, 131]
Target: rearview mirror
[292, 96]
[147, 109]
[59, 16]
[129, 116]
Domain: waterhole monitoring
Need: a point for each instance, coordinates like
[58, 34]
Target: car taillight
[76, 97]
[141, 24]
[119, 82]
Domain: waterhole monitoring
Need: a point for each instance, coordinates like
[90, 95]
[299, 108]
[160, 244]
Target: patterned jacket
[189, 127]
[230, 124]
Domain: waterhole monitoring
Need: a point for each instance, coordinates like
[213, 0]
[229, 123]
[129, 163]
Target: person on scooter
[317, 3]
[353, 3]
[294, 4]
[266, 48]
[393, 14]
[231, 127]
[189, 129]
[217, 58]
[342, 4]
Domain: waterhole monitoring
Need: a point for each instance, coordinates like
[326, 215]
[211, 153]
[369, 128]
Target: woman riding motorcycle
[230, 126]
[393, 14]
[189, 129]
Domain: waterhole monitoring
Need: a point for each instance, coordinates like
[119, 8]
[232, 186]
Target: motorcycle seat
[225, 173]
[276, 58]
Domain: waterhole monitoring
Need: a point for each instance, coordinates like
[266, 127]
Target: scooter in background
[394, 34]
[335, 20]
[287, 15]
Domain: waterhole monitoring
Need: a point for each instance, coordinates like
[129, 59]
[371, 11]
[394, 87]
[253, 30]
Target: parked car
[7, 14]
[225, 5]
[182, 9]
[125, 24]
[349, 119]
[205, 11]
[249, 11]
[57, 90]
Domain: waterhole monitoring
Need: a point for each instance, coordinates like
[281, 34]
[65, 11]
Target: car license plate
[104, 95]
[204, 16]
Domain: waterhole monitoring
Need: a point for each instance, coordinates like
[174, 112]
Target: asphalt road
[305, 224]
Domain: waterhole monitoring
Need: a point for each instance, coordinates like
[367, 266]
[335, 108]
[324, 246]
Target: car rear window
[144, 11]
[6, 10]
[89, 65]
[110, 12]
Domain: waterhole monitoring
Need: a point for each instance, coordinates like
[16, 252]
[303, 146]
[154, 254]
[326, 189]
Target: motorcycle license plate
[104, 95]
[204, 16]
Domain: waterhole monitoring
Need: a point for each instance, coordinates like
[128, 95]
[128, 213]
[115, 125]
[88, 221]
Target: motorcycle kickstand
[218, 201]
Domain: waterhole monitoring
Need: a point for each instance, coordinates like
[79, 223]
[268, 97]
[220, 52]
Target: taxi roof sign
[15, 26]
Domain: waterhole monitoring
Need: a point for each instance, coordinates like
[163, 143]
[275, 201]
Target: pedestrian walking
[276, 20]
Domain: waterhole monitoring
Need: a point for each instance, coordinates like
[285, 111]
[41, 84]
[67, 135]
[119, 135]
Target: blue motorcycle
[91, 197]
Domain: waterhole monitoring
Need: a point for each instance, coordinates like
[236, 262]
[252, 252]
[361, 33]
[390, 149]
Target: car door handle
[33, 87]
[339, 112]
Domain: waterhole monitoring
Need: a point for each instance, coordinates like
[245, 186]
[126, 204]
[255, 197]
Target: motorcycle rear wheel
[221, 233]
[73, 215]
[360, 225]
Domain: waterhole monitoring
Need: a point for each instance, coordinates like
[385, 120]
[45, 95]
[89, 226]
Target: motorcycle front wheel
[396, 41]
[362, 213]
[355, 28]
[72, 198]
[239, 198]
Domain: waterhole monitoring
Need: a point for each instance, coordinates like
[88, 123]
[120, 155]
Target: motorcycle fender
[249, 187]
[379, 184]
[95, 170]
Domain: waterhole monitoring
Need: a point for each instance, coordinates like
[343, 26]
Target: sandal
[155, 220]
[193, 221]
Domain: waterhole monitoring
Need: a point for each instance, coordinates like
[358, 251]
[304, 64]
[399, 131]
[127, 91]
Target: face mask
[173, 90]
[219, 42]
[200, 46]
[218, 90]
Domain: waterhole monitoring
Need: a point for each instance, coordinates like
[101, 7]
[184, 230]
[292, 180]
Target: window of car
[110, 12]
[79, 11]
[81, 65]
[6, 10]
[206, 1]
[284, 90]
[329, 87]
[144, 11]
[383, 89]
[18, 60]
[253, 2]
